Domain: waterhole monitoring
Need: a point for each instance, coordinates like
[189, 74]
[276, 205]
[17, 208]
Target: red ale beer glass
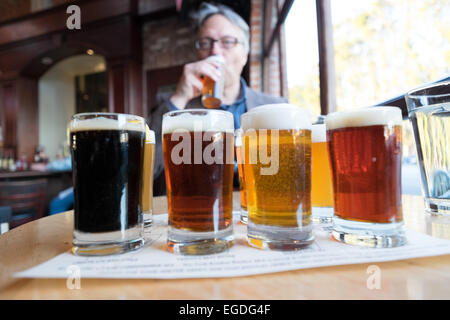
[365, 148]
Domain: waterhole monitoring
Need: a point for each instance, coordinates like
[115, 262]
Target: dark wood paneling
[27, 118]
[55, 20]
[116, 87]
[8, 107]
[109, 27]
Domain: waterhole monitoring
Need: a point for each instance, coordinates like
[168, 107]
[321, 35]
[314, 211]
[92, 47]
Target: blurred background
[324, 55]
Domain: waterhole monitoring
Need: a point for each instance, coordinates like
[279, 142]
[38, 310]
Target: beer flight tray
[153, 261]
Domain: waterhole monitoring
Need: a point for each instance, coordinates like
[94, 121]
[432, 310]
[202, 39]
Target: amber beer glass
[213, 90]
[242, 189]
[277, 169]
[107, 154]
[322, 187]
[147, 176]
[365, 149]
[198, 147]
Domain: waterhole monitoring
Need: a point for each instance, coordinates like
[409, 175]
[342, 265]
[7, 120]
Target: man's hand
[190, 84]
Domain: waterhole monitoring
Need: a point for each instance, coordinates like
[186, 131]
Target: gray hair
[207, 10]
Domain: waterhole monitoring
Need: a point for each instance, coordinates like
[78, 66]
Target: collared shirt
[237, 108]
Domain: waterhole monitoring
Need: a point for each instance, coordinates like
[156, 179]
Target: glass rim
[129, 115]
[170, 113]
[122, 121]
[414, 93]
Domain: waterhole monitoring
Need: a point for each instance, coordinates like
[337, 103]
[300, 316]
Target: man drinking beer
[220, 33]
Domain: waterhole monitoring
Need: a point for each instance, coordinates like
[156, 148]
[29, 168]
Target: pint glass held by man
[365, 148]
[107, 155]
[147, 176]
[198, 147]
[429, 112]
[277, 169]
[322, 187]
[213, 90]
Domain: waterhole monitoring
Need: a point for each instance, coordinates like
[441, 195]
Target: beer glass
[107, 155]
[321, 187]
[240, 163]
[365, 148]
[213, 90]
[277, 169]
[147, 176]
[198, 149]
[429, 112]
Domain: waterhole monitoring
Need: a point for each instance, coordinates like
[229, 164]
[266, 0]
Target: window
[383, 48]
[302, 57]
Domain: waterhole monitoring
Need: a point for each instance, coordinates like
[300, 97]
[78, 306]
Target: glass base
[244, 216]
[107, 243]
[279, 238]
[374, 235]
[199, 243]
[437, 206]
[148, 219]
[107, 249]
[322, 215]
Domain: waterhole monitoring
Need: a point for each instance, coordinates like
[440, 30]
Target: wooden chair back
[26, 199]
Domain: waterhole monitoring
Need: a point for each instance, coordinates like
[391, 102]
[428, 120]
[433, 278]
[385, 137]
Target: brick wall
[266, 75]
[256, 49]
[167, 43]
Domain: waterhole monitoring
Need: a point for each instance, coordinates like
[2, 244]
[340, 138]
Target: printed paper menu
[155, 262]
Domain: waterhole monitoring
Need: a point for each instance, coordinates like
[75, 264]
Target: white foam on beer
[364, 117]
[149, 135]
[319, 132]
[281, 116]
[196, 120]
[104, 123]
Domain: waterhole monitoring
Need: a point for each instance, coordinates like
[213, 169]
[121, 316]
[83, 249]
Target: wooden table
[41, 240]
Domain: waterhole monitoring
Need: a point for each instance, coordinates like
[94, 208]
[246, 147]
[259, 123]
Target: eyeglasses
[224, 42]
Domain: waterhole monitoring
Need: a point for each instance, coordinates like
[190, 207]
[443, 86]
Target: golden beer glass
[365, 148]
[147, 176]
[277, 170]
[322, 187]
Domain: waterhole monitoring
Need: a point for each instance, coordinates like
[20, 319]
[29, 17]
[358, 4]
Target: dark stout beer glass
[365, 148]
[198, 147]
[107, 154]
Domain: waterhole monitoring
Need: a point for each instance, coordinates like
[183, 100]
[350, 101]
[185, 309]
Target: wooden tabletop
[41, 240]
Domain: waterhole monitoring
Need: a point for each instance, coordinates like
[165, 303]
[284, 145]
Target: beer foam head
[276, 116]
[319, 132]
[217, 59]
[106, 121]
[196, 120]
[364, 117]
[149, 135]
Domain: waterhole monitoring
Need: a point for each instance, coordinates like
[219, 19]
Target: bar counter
[41, 240]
